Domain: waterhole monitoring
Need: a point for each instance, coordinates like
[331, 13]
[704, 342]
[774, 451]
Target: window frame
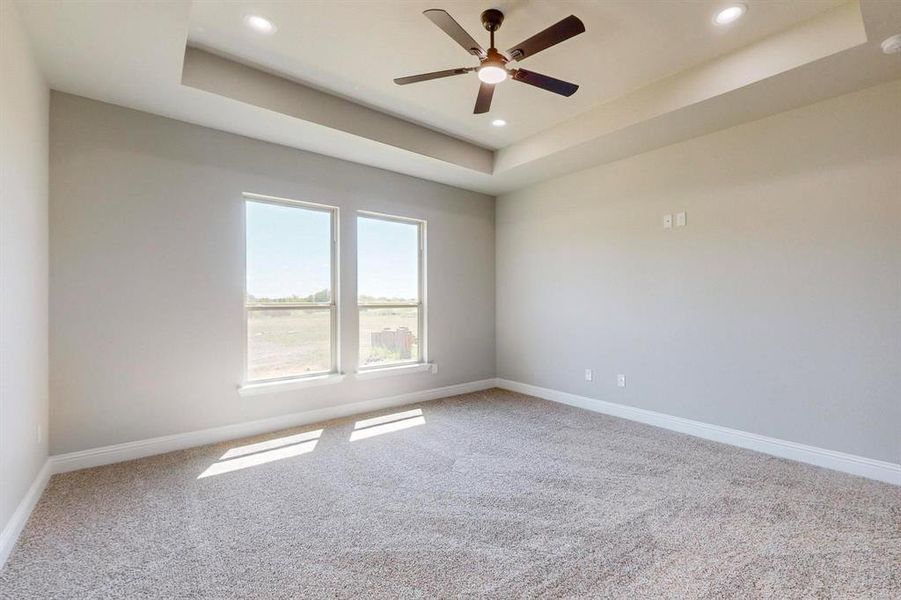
[333, 305]
[422, 320]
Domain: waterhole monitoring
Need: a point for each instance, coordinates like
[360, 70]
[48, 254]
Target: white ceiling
[356, 48]
[652, 73]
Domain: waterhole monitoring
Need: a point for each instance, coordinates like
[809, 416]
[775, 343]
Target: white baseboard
[17, 521]
[106, 455]
[830, 459]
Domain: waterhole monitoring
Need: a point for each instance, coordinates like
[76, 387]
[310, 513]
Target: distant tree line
[320, 296]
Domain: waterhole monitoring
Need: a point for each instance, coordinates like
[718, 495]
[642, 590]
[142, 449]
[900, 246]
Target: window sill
[273, 387]
[398, 370]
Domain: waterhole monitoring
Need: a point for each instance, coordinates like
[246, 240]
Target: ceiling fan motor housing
[492, 19]
[492, 56]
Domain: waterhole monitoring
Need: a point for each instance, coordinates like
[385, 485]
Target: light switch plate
[588, 375]
[681, 219]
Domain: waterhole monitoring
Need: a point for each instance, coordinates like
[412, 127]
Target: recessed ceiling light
[730, 14]
[498, 122]
[261, 24]
[892, 45]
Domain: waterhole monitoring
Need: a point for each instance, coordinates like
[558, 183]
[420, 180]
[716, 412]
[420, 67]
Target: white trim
[821, 457]
[424, 293]
[105, 455]
[335, 264]
[378, 372]
[17, 521]
[386, 217]
[286, 385]
[422, 273]
[290, 202]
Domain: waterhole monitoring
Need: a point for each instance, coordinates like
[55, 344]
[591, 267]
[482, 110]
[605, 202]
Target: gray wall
[23, 264]
[146, 273]
[777, 310]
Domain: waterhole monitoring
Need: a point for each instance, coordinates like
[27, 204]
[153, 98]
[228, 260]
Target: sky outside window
[388, 260]
[288, 252]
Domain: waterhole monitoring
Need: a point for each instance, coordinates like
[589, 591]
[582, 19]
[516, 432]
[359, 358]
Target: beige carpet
[492, 494]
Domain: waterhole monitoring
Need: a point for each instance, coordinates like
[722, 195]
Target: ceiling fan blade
[433, 75]
[446, 23]
[483, 100]
[556, 33]
[558, 86]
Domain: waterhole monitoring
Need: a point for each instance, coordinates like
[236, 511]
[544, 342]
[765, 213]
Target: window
[391, 290]
[290, 294]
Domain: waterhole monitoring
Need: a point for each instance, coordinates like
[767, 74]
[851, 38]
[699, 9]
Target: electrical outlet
[667, 221]
[681, 219]
[434, 368]
[588, 375]
[621, 380]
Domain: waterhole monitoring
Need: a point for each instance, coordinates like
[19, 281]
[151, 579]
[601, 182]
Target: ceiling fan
[493, 68]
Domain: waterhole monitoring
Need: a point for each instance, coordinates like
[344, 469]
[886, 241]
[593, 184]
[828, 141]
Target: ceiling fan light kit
[493, 63]
[493, 69]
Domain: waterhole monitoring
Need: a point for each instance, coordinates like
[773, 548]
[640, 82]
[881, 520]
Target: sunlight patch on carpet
[368, 428]
[287, 440]
[254, 455]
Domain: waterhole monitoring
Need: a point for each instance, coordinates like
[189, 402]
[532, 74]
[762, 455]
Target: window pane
[289, 254]
[285, 343]
[387, 261]
[388, 335]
